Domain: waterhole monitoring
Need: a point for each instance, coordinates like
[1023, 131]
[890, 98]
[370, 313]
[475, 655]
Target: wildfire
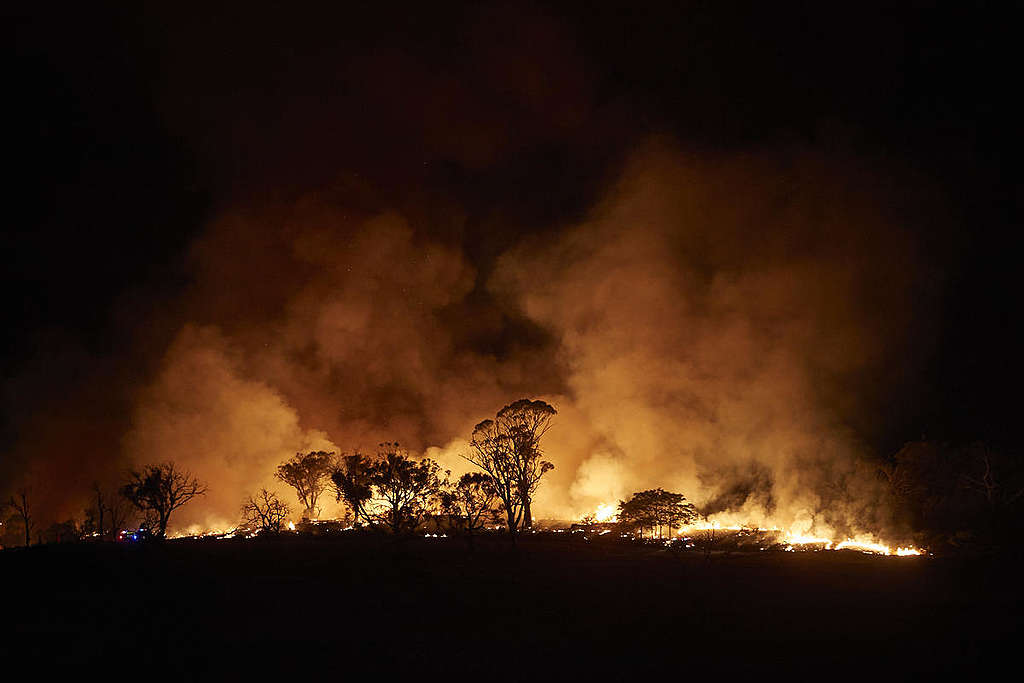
[606, 512]
[790, 541]
[865, 547]
[861, 543]
[705, 525]
[803, 541]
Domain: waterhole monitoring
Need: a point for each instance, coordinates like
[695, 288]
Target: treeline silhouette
[957, 498]
[390, 490]
[394, 492]
[948, 499]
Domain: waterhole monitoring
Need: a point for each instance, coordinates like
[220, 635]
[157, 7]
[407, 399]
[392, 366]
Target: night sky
[133, 130]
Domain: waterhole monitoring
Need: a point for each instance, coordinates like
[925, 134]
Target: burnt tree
[107, 513]
[19, 502]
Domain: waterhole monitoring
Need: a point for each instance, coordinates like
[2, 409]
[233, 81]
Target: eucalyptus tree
[507, 448]
[308, 474]
[405, 489]
[471, 503]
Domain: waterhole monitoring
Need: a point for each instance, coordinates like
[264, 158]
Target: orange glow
[606, 512]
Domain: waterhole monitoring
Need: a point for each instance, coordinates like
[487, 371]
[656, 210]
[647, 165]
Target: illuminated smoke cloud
[229, 431]
[704, 330]
[316, 332]
[715, 317]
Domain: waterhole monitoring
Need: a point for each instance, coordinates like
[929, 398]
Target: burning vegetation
[437, 236]
[399, 494]
[512, 340]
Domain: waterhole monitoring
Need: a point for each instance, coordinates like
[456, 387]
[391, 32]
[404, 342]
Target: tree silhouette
[470, 503]
[957, 496]
[19, 502]
[96, 516]
[67, 531]
[105, 515]
[508, 449]
[159, 490]
[265, 511]
[995, 478]
[118, 511]
[655, 509]
[404, 488]
[308, 474]
[352, 478]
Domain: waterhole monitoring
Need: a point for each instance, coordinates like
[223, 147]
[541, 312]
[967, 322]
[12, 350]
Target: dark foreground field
[350, 605]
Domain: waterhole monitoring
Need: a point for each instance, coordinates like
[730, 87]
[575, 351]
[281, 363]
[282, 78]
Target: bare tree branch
[159, 490]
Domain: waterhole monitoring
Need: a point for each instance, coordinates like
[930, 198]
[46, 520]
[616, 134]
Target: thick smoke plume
[229, 431]
[713, 326]
[317, 331]
[716, 318]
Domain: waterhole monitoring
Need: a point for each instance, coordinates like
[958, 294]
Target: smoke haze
[406, 232]
[706, 329]
[717, 318]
